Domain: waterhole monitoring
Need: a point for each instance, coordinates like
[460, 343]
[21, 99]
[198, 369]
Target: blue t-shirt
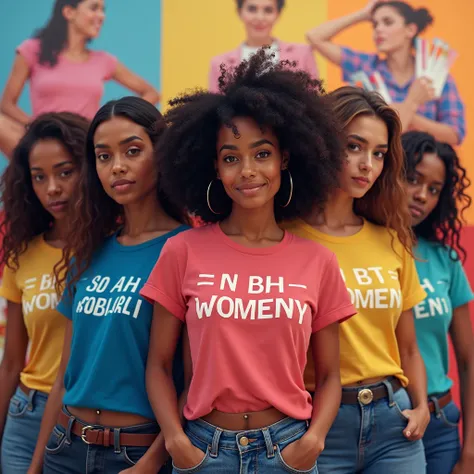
[111, 329]
[447, 287]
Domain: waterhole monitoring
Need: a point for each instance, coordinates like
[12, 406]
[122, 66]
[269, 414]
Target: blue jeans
[67, 453]
[244, 452]
[21, 430]
[441, 440]
[368, 438]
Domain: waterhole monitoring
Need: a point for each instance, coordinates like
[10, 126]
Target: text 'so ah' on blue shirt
[111, 329]
[447, 287]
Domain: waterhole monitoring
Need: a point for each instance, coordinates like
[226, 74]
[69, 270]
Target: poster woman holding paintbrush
[396, 26]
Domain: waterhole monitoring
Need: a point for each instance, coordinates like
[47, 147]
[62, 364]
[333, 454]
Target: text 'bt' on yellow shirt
[32, 285]
[382, 281]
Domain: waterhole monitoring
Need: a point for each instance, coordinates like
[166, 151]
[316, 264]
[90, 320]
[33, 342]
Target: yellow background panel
[195, 31]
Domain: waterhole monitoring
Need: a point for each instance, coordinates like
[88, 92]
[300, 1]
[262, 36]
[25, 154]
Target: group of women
[301, 326]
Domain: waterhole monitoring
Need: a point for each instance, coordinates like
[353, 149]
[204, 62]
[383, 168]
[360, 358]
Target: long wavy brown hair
[386, 202]
[24, 217]
[97, 216]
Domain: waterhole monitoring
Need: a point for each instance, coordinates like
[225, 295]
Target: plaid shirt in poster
[447, 109]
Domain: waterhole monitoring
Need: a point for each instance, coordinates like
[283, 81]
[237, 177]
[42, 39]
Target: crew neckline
[360, 235]
[134, 248]
[287, 238]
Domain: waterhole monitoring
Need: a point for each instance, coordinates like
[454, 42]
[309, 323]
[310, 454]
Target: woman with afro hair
[436, 185]
[252, 296]
[37, 197]
[365, 222]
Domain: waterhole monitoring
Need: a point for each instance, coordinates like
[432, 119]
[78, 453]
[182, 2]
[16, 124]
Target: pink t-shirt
[250, 313]
[68, 86]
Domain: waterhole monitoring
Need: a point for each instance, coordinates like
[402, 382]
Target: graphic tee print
[111, 329]
[447, 288]
[382, 282]
[33, 286]
[250, 313]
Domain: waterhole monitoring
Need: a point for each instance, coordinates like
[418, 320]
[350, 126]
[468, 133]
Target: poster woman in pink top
[64, 74]
[252, 296]
[259, 18]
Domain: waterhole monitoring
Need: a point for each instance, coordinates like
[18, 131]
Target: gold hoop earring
[291, 189]
[209, 200]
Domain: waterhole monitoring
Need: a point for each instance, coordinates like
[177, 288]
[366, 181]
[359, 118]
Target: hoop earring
[209, 200]
[291, 189]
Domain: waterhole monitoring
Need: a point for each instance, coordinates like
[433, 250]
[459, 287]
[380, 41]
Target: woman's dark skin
[250, 169]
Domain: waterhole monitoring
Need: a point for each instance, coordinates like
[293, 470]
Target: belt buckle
[365, 396]
[84, 431]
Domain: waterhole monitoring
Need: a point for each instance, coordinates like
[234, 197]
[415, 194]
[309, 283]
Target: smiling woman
[265, 149]
[259, 17]
[234, 163]
[64, 74]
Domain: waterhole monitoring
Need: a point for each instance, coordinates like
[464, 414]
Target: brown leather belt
[104, 436]
[369, 395]
[442, 402]
[244, 421]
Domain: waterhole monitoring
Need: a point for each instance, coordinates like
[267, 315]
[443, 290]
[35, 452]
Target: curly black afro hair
[444, 224]
[288, 101]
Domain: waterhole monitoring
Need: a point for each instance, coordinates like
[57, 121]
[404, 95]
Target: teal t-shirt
[446, 284]
[111, 329]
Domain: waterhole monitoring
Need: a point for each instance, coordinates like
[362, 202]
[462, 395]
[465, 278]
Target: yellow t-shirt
[32, 285]
[382, 282]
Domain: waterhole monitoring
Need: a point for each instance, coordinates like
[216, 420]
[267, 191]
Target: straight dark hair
[97, 215]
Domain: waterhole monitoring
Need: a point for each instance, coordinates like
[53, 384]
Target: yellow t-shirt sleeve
[9, 288]
[412, 291]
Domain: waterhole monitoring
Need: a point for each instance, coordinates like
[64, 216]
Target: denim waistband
[150, 427]
[34, 399]
[33, 393]
[260, 438]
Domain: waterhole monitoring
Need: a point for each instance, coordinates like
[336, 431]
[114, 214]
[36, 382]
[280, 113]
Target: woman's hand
[421, 91]
[418, 420]
[303, 453]
[184, 454]
[367, 10]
